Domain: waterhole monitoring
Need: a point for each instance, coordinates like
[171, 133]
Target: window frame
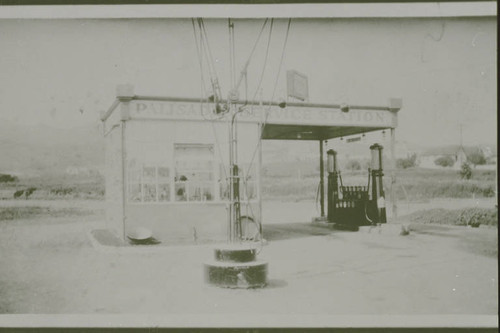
[188, 184]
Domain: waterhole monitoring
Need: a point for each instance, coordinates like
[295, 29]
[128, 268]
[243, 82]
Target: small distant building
[460, 157]
[428, 159]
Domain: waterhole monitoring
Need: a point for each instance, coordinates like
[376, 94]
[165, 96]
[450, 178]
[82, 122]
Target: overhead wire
[274, 92]
[265, 60]
[233, 54]
[252, 52]
[203, 91]
[210, 60]
[205, 49]
[231, 79]
[246, 175]
[236, 87]
[267, 111]
[200, 61]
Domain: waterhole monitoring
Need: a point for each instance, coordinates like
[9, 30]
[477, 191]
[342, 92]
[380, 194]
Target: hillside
[38, 149]
[31, 150]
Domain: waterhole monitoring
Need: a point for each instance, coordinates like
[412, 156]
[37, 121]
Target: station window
[148, 183]
[194, 172]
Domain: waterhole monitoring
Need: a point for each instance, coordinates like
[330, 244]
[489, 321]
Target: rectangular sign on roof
[297, 85]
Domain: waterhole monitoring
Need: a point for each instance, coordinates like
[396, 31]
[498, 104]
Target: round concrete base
[235, 253]
[236, 275]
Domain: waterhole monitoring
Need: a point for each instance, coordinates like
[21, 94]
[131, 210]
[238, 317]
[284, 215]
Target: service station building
[167, 162]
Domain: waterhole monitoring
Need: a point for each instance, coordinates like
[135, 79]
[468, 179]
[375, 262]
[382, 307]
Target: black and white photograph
[249, 165]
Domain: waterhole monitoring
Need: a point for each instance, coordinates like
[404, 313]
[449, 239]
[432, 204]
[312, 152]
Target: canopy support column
[321, 179]
[393, 175]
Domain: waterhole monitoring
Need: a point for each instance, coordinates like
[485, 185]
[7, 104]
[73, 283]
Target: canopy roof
[299, 132]
[293, 121]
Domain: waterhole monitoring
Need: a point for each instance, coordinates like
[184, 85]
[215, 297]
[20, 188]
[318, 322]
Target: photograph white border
[335, 10]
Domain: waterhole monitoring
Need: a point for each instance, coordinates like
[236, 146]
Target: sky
[64, 72]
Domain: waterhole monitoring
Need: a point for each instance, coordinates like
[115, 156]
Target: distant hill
[38, 149]
[276, 151]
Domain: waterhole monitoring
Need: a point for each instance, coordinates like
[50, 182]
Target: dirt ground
[49, 266]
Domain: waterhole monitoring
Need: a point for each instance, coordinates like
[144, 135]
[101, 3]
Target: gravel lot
[49, 266]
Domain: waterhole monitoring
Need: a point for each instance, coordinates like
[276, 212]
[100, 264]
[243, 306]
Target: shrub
[405, 163]
[445, 161]
[61, 191]
[19, 193]
[29, 191]
[4, 178]
[353, 165]
[476, 157]
[465, 171]
[474, 217]
[462, 217]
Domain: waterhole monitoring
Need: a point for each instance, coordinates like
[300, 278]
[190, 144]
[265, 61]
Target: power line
[203, 89]
[211, 64]
[281, 61]
[265, 60]
[231, 65]
[256, 91]
[251, 54]
[274, 91]
[200, 60]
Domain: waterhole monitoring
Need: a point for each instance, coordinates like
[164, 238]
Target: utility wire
[265, 60]
[236, 87]
[246, 175]
[210, 60]
[265, 120]
[251, 53]
[203, 90]
[230, 53]
[233, 54]
[200, 61]
[272, 97]
[279, 66]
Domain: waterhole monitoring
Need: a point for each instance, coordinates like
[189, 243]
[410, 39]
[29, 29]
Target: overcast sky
[64, 72]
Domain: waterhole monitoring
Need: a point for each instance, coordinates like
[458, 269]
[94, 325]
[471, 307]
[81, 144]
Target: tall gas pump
[333, 184]
[352, 206]
[377, 195]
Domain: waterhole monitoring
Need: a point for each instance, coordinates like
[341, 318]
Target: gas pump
[352, 206]
[333, 186]
[377, 196]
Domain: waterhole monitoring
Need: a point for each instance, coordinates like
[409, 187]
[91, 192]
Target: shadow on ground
[294, 230]
[276, 283]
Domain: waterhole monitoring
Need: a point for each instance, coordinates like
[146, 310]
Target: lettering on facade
[274, 115]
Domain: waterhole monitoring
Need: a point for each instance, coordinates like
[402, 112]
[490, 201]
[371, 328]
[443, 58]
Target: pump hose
[368, 192]
[259, 228]
[317, 196]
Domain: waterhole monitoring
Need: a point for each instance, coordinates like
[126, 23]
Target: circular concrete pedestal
[236, 275]
[235, 266]
[235, 253]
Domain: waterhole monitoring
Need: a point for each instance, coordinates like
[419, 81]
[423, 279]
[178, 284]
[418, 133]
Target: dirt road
[50, 266]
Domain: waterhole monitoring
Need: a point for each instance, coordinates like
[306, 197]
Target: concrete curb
[157, 248]
[144, 249]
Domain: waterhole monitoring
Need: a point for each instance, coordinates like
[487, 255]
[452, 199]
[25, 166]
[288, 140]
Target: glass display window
[148, 182]
[194, 172]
